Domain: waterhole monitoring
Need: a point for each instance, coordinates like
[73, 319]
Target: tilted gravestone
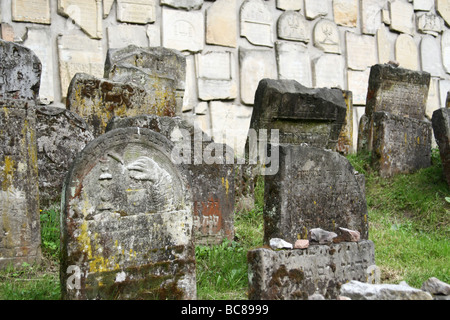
[400, 144]
[301, 114]
[441, 129]
[313, 188]
[161, 71]
[61, 134]
[297, 274]
[212, 183]
[127, 222]
[98, 100]
[20, 234]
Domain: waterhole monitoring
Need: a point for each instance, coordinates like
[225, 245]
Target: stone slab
[316, 8]
[441, 129]
[294, 62]
[406, 52]
[36, 11]
[86, 13]
[345, 144]
[292, 25]
[423, 5]
[326, 36]
[383, 45]
[345, 12]
[289, 5]
[124, 35]
[20, 238]
[7, 32]
[136, 11]
[445, 47]
[183, 4]
[430, 56]
[371, 11]
[361, 51]
[402, 17]
[443, 8]
[400, 145]
[127, 220]
[298, 274]
[221, 23]
[328, 71]
[256, 23]
[358, 82]
[429, 23]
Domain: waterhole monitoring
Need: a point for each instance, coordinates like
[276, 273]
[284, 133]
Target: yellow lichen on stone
[7, 173]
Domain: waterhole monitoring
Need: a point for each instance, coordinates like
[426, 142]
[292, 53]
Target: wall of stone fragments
[231, 44]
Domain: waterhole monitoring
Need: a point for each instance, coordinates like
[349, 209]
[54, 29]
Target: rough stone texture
[37, 11]
[221, 23]
[357, 290]
[345, 141]
[441, 129]
[127, 221]
[20, 72]
[298, 274]
[277, 243]
[293, 26]
[313, 188]
[436, 287]
[183, 4]
[301, 114]
[20, 234]
[398, 91]
[400, 145]
[61, 134]
[320, 236]
[212, 183]
[161, 71]
[98, 100]
[85, 13]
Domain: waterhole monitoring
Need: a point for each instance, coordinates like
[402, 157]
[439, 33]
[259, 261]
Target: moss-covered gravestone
[441, 129]
[127, 221]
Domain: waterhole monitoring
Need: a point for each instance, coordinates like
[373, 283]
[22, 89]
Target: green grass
[409, 222]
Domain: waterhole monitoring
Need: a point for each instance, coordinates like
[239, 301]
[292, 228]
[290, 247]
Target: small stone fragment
[321, 236]
[316, 296]
[436, 287]
[347, 235]
[277, 243]
[301, 244]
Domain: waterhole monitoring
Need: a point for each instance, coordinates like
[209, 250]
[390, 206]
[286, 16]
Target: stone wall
[231, 44]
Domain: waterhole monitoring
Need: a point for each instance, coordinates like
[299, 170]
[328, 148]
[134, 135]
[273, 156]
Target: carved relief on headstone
[216, 75]
[443, 8]
[20, 72]
[221, 23]
[293, 62]
[20, 236]
[328, 71]
[430, 56]
[136, 11]
[361, 51]
[316, 8]
[289, 4]
[429, 23]
[123, 35]
[256, 23]
[402, 17]
[326, 36]
[78, 54]
[183, 30]
[445, 47]
[371, 11]
[384, 46]
[345, 12]
[86, 13]
[183, 4]
[293, 26]
[36, 11]
[441, 128]
[38, 40]
[314, 188]
[158, 70]
[61, 134]
[127, 221]
[406, 52]
[255, 65]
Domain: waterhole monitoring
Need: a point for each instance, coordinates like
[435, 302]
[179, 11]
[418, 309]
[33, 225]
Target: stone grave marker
[298, 274]
[85, 13]
[256, 23]
[36, 11]
[293, 62]
[313, 188]
[20, 236]
[212, 183]
[61, 134]
[326, 36]
[136, 11]
[441, 129]
[161, 71]
[301, 114]
[127, 221]
[292, 25]
[221, 23]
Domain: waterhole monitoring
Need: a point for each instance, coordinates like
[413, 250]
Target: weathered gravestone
[161, 71]
[210, 176]
[441, 129]
[98, 100]
[400, 144]
[313, 188]
[301, 114]
[398, 91]
[61, 134]
[127, 221]
[20, 233]
[298, 274]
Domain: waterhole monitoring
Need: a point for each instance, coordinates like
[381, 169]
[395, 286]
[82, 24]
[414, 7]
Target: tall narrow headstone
[161, 71]
[441, 129]
[127, 221]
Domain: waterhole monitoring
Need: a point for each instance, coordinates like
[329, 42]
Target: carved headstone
[406, 52]
[294, 62]
[221, 23]
[293, 26]
[429, 23]
[441, 130]
[127, 221]
[361, 52]
[161, 71]
[400, 144]
[212, 184]
[136, 11]
[313, 188]
[86, 13]
[256, 23]
[345, 12]
[61, 134]
[402, 17]
[430, 56]
[328, 71]
[298, 274]
[326, 36]
[301, 114]
[36, 11]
